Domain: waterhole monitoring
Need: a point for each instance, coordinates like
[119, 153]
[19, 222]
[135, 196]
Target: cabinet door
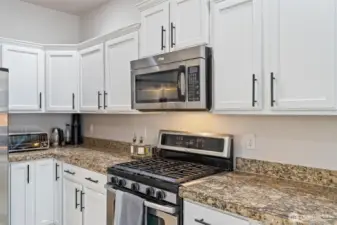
[189, 23]
[22, 194]
[195, 214]
[62, 81]
[72, 214]
[155, 30]
[92, 78]
[44, 204]
[237, 36]
[26, 77]
[95, 207]
[302, 37]
[119, 53]
[58, 197]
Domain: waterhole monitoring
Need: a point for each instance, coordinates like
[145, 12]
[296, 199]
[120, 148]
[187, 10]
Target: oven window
[155, 220]
[158, 87]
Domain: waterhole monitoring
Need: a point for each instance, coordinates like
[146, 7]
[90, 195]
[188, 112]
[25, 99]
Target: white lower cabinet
[44, 189]
[41, 194]
[195, 214]
[22, 194]
[95, 207]
[72, 214]
[58, 190]
[84, 197]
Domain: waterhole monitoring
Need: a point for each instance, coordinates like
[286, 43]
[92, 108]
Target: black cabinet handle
[28, 174]
[172, 35]
[201, 221]
[162, 38]
[73, 100]
[99, 100]
[82, 207]
[272, 80]
[40, 105]
[91, 180]
[56, 171]
[69, 172]
[253, 90]
[76, 192]
[105, 95]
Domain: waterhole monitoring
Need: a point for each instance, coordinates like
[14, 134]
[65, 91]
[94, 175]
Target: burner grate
[168, 170]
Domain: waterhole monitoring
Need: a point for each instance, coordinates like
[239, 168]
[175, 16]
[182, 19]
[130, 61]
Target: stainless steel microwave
[179, 80]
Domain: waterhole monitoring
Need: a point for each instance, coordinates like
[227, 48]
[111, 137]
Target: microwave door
[160, 90]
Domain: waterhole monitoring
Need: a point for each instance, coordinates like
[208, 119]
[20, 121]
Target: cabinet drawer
[72, 172]
[195, 212]
[94, 180]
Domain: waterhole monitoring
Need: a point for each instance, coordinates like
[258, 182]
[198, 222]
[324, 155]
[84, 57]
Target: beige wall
[304, 140]
[112, 16]
[28, 22]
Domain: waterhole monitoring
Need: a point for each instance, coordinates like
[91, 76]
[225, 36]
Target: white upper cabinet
[189, 23]
[155, 30]
[92, 78]
[119, 52]
[44, 205]
[26, 77]
[173, 25]
[62, 80]
[302, 66]
[237, 47]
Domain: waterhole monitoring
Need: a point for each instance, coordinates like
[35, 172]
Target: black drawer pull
[82, 207]
[73, 100]
[91, 180]
[201, 221]
[76, 204]
[105, 95]
[253, 90]
[99, 100]
[56, 171]
[69, 172]
[272, 98]
[28, 174]
[163, 45]
[40, 105]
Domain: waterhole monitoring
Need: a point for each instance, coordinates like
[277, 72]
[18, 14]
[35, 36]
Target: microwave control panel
[193, 84]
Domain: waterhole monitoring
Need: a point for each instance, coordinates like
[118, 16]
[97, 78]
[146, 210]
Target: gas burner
[173, 171]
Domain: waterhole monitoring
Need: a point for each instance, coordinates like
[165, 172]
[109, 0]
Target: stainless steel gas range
[182, 157]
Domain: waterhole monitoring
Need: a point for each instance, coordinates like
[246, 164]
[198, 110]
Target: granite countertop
[266, 199]
[97, 160]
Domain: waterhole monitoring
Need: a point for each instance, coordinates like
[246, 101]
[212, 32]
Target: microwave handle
[181, 81]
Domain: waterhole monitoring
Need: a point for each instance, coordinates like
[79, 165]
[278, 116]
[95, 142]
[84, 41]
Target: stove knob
[121, 183]
[135, 187]
[114, 180]
[150, 191]
[160, 195]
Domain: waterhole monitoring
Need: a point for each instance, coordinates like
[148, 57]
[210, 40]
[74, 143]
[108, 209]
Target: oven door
[156, 214]
[159, 88]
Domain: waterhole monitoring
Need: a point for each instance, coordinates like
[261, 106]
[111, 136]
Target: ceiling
[76, 7]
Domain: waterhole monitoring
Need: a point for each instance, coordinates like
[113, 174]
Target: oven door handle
[108, 187]
[163, 208]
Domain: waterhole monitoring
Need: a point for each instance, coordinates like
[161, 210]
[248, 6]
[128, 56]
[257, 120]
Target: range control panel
[193, 84]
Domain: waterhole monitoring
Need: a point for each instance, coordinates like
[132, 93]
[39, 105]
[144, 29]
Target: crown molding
[146, 4]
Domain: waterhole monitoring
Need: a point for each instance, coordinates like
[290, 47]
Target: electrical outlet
[250, 142]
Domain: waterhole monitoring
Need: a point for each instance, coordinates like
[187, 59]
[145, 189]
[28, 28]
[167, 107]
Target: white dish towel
[129, 209]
